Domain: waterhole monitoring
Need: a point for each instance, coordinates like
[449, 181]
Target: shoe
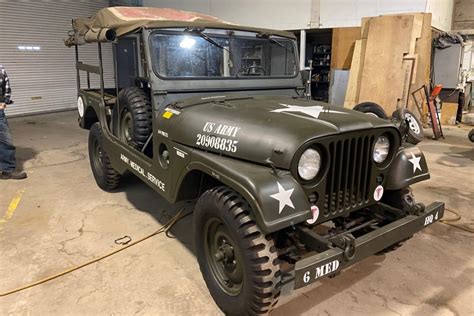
[15, 175]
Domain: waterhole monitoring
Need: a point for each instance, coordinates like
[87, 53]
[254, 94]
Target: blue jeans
[7, 150]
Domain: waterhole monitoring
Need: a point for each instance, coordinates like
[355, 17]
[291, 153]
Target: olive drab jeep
[288, 189]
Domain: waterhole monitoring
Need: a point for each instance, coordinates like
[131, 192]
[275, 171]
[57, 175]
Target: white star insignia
[313, 111]
[284, 197]
[415, 161]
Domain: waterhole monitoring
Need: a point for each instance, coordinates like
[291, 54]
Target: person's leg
[7, 150]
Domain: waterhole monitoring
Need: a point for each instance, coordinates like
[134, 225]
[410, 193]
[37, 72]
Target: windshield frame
[211, 32]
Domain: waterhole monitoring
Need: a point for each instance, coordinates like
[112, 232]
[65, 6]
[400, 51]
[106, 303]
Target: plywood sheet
[388, 41]
[355, 74]
[342, 48]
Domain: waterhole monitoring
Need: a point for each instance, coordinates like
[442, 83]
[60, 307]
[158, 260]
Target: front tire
[238, 262]
[107, 178]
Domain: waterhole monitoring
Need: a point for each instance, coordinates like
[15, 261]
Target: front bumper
[309, 270]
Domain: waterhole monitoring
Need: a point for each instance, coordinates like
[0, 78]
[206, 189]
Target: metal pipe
[101, 66]
[78, 76]
[302, 49]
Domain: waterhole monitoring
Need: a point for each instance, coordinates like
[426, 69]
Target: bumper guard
[333, 260]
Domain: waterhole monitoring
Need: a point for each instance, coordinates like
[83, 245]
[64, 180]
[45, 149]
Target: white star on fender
[313, 111]
[284, 197]
[415, 161]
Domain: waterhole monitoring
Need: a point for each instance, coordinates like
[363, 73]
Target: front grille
[349, 174]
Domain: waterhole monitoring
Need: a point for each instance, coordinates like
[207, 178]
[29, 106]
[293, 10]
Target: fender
[257, 184]
[408, 167]
[91, 105]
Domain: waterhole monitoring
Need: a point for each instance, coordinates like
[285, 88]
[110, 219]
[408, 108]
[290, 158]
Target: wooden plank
[383, 74]
[355, 74]
[422, 77]
[342, 48]
[364, 28]
[448, 113]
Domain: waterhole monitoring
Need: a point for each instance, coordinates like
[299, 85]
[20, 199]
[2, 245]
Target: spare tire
[372, 109]
[135, 117]
[410, 125]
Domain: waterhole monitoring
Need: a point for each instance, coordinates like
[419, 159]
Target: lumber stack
[391, 59]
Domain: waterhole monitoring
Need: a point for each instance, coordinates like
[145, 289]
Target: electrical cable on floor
[163, 229]
[449, 221]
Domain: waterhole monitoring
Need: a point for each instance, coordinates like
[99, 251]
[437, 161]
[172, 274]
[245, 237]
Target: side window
[127, 59]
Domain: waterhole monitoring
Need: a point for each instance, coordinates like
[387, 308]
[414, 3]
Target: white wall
[304, 14]
[442, 11]
[277, 14]
[202, 6]
[348, 13]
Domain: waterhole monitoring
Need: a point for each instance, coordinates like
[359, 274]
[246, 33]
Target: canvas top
[124, 20]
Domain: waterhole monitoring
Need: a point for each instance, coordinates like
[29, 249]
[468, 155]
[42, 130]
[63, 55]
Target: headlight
[381, 149]
[309, 164]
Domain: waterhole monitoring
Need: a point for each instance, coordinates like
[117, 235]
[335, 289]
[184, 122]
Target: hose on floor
[163, 229]
[456, 218]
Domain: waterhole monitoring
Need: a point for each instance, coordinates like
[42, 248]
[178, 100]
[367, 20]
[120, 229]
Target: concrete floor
[64, 219]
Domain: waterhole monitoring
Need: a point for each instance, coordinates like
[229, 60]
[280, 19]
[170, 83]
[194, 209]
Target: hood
[256, 128]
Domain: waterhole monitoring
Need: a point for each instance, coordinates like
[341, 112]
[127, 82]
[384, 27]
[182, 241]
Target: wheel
[371, 109]
[238, 262]
[107, 178]
[471, 135]
[135, 118]
[410, 125]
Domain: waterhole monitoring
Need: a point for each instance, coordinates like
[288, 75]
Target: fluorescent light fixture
[28, 48]
[187, 42]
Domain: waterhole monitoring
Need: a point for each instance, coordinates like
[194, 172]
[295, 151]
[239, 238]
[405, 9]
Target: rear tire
[371, 108]
[238, 262]
[107, 178]
[135, 117]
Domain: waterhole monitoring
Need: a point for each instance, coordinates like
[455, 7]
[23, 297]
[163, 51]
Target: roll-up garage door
[41, 69]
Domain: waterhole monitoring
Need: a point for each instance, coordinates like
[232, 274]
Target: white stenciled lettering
[124, 158]
[216, 142]
[327, 268]
[221, 129]
[429, 219]
[156, 182]
[148, 176]
[226, 130]
[208, 127]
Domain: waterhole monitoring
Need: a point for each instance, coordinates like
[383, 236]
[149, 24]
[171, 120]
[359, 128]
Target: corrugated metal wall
[40, 67]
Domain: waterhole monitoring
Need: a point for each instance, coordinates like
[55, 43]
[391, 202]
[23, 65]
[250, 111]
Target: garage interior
[393, 54]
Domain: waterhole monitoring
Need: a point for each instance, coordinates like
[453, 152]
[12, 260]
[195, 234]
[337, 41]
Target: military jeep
[288, 189]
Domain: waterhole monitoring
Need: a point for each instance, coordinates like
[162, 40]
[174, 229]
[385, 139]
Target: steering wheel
[253, 67]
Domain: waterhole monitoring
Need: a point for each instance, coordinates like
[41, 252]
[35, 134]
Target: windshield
[198, 55]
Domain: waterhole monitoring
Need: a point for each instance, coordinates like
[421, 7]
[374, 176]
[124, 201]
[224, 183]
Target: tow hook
[346, 243]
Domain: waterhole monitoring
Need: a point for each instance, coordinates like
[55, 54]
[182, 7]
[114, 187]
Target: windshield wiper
[199, 31]
[267, 36]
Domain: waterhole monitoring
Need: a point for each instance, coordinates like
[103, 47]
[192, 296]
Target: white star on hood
[312, 111]
[284, 197]
[415, 161]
